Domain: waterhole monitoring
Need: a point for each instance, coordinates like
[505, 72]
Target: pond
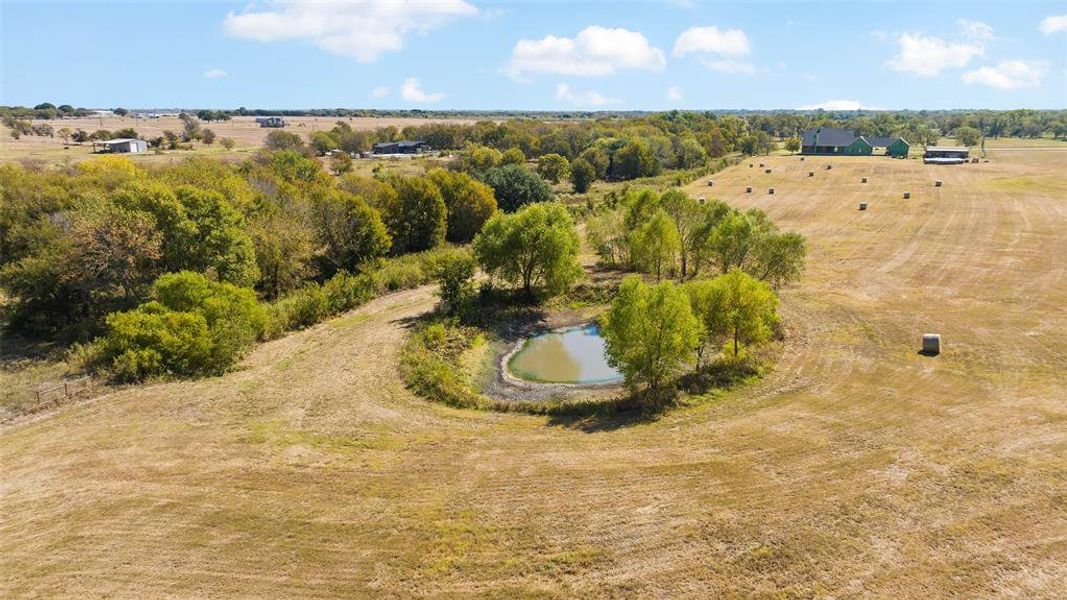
[574, 355]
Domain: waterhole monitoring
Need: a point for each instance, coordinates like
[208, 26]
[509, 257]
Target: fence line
[64, 390]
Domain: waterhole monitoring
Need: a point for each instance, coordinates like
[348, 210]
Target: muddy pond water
[572, 355]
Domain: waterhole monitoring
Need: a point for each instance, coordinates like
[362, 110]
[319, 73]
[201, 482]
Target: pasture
[247, 134]
[858, 468]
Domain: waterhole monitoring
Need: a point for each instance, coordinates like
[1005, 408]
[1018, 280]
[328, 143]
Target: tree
[477, 159]
[417, 217]
[227, 143]
[470, 203]
[207, 136]
[284, 250]
[599, 158]
[513, 156]
[64, 134]
[707, 299]
[322, 142]
[552, 167]
[534, 247]
[649, 332]
[350, 231]
[655, 244]
[779, 258]
[283, 140]
[122, 112]
[582, 175]
[792, 144]
[634, 160]
[606, 232]
[688, 153]
[751, 309]
[455, 275]
[201, 231]
[514, 187]
[968, 136]
[689, 218]
[194, 327]
[341, 163]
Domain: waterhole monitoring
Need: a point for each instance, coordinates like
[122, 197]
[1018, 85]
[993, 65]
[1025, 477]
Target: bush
[195, 326]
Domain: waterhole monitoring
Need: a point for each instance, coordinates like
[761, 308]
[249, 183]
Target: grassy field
[857, 469]
[242, 130]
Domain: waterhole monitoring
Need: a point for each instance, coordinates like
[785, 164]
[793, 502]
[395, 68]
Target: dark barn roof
[829, 136]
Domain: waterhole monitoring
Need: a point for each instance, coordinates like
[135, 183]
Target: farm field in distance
[247, 134]
[857, 468]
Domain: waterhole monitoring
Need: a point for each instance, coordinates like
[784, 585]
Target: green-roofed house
[834, 141]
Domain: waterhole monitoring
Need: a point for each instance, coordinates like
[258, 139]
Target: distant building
[946, 155]
[270, 121]
[402, 147]
[845, 142]
[897, 147]
[126, 145]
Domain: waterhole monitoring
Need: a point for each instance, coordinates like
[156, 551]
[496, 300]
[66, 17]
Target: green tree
[634, 160]
[194, 326]
[655, 244]
[417, 218]
[207, 136]
[582, 175]
[534, 247]
[552, 167]
[707, 299]
[201, 231]
[689, 218]
[470, 203]
[477, 159]
[599, 158]
[227, 143]
[350, 231]
[455, 276]
[968, 136]
[322, 142]
[513, 156]
[792, 144]
[285, 247]
[751, 309]
[514, 187]
[283, 140]
[649, 332]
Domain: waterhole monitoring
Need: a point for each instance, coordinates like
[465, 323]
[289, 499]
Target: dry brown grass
[858, 469]
[242, 130]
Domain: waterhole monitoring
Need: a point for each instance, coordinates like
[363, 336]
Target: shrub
[194, 326]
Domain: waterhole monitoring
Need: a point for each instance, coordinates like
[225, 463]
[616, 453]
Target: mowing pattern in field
[858, 469]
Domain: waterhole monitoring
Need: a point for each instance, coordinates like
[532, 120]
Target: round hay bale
[768, 171]
[801, 159]
[931, 344]
[748, 190]
[864, 180]
[750, 165]
[907, 195]
[770, 191]
[702, 199]
[828, 167]
[761, 165]
[711, 183]
[811, 173]
[937, 183]
[863, 206]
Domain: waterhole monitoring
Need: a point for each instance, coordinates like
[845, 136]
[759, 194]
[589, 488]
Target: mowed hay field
[857, 469]
[244, 131]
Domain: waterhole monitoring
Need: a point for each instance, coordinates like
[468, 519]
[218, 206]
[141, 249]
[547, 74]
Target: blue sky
[465, 54]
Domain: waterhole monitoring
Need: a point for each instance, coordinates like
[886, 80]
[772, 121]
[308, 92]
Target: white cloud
[674, 94]
[1053, 24]
[586, 98]
[412, 91]
[710, 40]
[380, 92]
[975, 30]
[595, 51]
[836, 105]
[1008, 75]
[360, 29]
[928, 55]
[730, 66]
[214, 73]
